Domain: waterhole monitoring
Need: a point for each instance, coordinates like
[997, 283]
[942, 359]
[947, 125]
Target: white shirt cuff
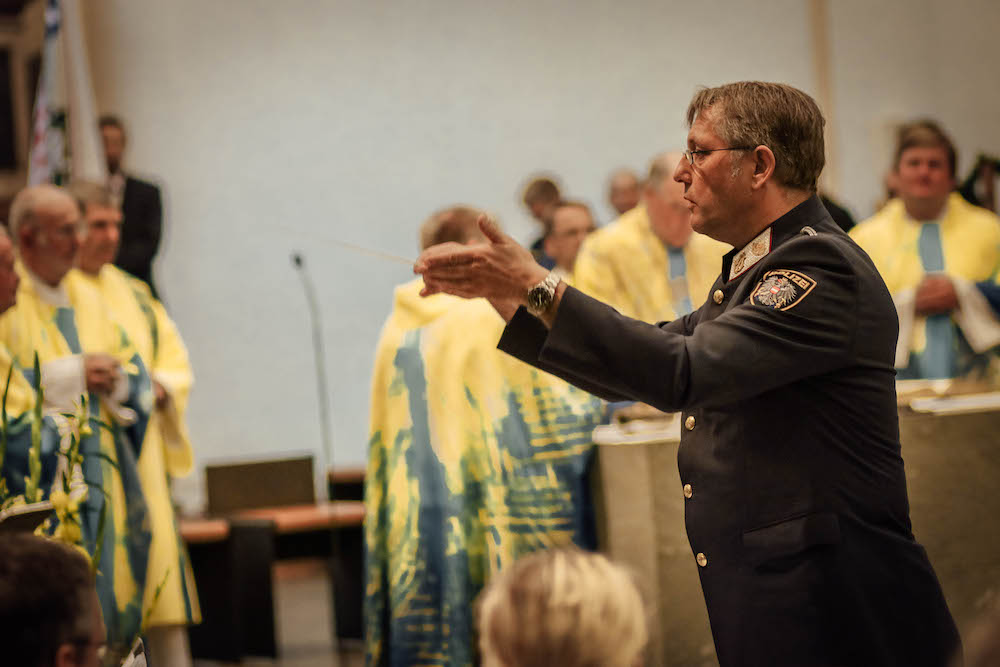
[906, 309]
[976, 317]
[64, 381]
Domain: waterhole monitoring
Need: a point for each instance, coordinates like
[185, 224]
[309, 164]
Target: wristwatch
[540, 296]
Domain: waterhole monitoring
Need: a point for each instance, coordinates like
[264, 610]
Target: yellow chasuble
[475, 459]
[167, 450]
[628, 267]
[61, 324]
[20, 395]
[20, 401]
[968, 246]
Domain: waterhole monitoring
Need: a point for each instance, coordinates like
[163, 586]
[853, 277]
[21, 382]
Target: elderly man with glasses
[795, 498]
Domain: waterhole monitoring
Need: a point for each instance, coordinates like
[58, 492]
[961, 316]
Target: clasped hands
[935, 295]
[103, 372]
[498, 269]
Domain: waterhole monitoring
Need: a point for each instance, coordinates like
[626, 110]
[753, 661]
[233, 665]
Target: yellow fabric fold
[627, 266]
[166, 451]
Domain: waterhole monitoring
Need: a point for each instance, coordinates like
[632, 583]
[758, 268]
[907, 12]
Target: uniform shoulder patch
[782, 289]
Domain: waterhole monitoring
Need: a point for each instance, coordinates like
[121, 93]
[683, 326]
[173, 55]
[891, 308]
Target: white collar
[750, 254]
[54, 296]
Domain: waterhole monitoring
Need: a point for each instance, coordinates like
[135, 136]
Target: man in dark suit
[795, 498]
[142, 210]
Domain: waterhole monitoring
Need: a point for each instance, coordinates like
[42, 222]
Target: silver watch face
[539, 298]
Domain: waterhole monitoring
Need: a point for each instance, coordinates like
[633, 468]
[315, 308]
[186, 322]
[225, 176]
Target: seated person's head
[456, 224]
[924, 168]
[541, 196]
[113, 136]
[562, 607]
[624, 190]
[9, 280]
[571, 223]
[103, 220]
[47, 228]
[669, 215]
[49, 612]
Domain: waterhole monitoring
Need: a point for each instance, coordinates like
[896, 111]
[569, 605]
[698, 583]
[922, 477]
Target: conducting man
[796, 505]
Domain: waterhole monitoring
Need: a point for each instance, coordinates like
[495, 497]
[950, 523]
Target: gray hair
[661, 168]
[88, 192]
[24, 208]
[776, 115]
[456, 224]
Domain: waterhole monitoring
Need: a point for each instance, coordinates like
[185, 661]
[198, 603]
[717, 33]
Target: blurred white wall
[274, 125]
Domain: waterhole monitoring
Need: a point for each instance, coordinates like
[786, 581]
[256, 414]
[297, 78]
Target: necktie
[680, 299]
[938, 359]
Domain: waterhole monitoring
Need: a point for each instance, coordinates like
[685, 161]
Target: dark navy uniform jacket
[796, 506]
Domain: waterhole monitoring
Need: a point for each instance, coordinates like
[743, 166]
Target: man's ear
[25, 237]
[763, 166]
[66, 656]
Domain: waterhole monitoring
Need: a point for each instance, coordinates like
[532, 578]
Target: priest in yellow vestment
[82, 350]
[475, 459]
[649, 264]
[18, 401]
[932, 247]
[170, 599]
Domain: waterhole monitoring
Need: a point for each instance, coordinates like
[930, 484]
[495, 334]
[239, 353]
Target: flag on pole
[65, 142]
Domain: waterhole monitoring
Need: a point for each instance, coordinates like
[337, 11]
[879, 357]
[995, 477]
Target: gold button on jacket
[718, 296]
[689, 423]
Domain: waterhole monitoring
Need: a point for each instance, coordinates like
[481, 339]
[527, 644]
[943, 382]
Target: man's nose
[682, 173]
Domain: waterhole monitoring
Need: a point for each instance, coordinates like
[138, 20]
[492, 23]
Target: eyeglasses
[79, 229]
[690, 154]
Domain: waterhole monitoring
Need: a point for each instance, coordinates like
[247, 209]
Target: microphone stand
[316, 324]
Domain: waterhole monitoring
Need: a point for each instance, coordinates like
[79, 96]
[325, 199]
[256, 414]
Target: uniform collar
[738, 261]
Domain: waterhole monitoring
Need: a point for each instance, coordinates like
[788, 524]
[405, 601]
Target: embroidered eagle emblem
[776, 292]
[782, 289]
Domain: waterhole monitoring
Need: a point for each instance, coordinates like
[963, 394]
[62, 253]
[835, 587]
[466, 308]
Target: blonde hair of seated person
[562, 607]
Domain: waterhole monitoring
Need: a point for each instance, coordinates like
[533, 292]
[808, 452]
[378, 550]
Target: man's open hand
[500, 269]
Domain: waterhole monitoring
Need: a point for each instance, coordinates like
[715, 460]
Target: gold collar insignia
[750, 254]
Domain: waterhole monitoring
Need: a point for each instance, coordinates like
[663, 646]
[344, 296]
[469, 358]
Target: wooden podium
[952, 462]
[640, 515]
